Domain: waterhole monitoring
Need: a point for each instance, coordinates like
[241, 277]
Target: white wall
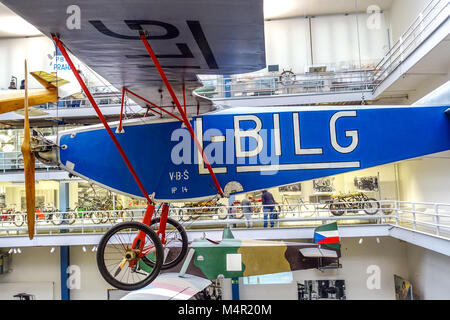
[36, 50]
[334, 38]
[402, 15]
[389, 255]
[13, 52]
[287, 44]
[92, 286]
[426, 179]
[429, 273]
[34, 271]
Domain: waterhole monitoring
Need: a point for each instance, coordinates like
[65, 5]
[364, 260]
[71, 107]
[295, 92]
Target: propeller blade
[29, 165]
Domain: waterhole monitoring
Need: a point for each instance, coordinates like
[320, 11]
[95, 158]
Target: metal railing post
[397, 214]
[437, 220]
[413, 210]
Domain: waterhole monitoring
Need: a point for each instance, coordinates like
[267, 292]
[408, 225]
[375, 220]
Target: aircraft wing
[189, 36]
[170, 286]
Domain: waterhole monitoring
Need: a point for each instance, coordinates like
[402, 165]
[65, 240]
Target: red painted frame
[150, 207]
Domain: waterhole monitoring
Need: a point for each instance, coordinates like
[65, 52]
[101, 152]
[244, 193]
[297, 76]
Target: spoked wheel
[185, 215]
[105, 216]
[337, 208]
[238, 214]
[176, 213]
[309, 210]
[70, 217]
[371, 206]
[127, 215]
[281, 212]
[175, 244]
[19, 220]
[222, 212]
[56, 218]
[119, 257]
[99, 217]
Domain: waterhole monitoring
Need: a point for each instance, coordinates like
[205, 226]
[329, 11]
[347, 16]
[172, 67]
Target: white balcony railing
[13, 161]
[308, 83]
[429, 19]
[431, 218]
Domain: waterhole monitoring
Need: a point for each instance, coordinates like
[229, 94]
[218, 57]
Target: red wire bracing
[180, 110]
[101, 117]
[184, 98]
[154, 105]
[121, 110]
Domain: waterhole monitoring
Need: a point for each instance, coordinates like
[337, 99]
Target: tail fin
[328, 235]
[48, 80]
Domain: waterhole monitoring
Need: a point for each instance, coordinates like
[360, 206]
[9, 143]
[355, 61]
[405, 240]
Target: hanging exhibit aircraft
[233, 258]
[151, 48]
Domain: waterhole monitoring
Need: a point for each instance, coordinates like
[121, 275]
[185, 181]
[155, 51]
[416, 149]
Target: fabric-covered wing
[189, 36]
[170, 286]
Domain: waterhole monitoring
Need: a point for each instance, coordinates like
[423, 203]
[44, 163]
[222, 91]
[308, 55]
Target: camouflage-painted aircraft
[233, 258]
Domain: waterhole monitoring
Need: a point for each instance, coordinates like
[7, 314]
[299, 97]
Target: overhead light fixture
[84, 248]
[18, 250]
[52, 250]
[15, 251]
[378, 240]
[94, 248]
[360, 240]
[10, 250]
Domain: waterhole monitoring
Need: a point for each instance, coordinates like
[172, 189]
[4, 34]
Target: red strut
[180, 110]
[121, 111]
[101, 117]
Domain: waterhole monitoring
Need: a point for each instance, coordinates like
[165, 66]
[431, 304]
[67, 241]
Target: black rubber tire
[97, 217]
[71, 217]
[156, 266]
[184, 246]
[373, 202]
[127, 215]
[337, 209]
[56, 214]
[222, 212]
[17, 222]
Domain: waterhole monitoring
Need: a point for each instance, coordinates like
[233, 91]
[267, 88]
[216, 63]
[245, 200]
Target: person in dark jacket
[268, 203]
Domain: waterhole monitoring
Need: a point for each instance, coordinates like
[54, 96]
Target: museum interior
[366, 81]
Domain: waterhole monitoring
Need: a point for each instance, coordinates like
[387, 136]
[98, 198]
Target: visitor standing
[247, 211]
[268, 203]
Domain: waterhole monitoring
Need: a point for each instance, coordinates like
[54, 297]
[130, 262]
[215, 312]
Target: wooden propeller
[29, 165]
